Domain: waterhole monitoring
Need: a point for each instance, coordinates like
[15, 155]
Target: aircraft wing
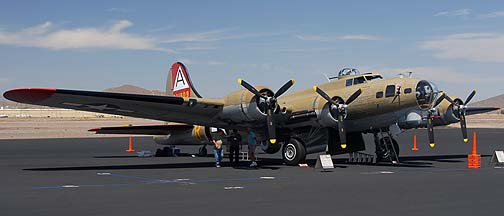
[479, 110]
[143, 130]
[193, 111]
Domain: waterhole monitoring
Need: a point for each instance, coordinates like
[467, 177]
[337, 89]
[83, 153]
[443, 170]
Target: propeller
[430, 117]
[460, 109]
[271, 104]
[339, 110]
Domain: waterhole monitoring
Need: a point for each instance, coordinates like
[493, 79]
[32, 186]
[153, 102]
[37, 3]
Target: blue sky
[95, 45]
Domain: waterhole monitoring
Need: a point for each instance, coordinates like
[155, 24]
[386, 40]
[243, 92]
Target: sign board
[498, 157]
[324, 162]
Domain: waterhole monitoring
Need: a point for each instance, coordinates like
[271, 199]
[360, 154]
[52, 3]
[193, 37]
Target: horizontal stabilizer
[142, 130]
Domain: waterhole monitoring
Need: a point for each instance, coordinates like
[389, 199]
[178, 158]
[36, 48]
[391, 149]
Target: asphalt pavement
[96, 176]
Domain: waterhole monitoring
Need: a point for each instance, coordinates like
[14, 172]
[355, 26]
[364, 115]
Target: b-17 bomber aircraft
[331, 117]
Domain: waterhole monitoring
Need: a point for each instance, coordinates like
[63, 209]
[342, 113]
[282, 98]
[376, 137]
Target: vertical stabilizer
[179, 83]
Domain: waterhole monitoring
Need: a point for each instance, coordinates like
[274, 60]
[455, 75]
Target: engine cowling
[247, 107]
[327, 116]
[448, 113]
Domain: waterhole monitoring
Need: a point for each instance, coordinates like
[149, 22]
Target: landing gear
[387, 149]
[202, 151]
[293, 152]
[269, 148]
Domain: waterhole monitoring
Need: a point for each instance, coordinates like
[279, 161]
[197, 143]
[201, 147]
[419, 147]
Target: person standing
[252, 142]
[234, 147]
[218, 153]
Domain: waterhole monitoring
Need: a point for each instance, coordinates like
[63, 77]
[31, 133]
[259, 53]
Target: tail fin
[179, 83]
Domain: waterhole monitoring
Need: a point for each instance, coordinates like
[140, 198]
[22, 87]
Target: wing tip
[29, 95]
[94, 129]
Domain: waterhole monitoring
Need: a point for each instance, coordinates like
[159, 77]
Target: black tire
[202, 151]
[293, 152]
[269, 148]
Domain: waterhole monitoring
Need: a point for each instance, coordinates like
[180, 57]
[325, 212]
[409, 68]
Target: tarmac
[96, 176]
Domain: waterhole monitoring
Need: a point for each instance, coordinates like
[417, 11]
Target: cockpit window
[349, 82]
[374, 77]
[359, 80]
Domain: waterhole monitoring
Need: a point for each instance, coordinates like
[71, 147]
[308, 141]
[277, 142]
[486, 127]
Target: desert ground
[29, 128]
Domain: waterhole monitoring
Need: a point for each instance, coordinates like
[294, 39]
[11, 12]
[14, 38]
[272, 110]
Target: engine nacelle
[448, 113]
[325, 118]
[248, 107]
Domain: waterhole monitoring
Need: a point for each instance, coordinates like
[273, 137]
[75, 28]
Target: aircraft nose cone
[425, 94]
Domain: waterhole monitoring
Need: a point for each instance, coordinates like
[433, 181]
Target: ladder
[388, 142]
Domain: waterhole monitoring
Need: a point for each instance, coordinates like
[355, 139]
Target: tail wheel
[293, 152]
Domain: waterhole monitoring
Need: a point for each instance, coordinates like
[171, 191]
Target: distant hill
[131, 89]
[497, 101]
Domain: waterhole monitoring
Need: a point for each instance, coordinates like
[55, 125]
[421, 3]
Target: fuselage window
[407, 91]
[358, 80]
[349, 82]
[390, 91]
[379, 94]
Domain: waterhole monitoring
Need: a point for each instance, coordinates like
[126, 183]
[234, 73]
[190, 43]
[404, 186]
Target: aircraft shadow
[438, 158]
[272, 164]
[265, 163]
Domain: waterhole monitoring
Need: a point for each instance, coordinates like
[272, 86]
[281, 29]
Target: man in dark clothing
[234, 146]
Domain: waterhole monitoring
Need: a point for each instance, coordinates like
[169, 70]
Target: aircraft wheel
[293, 152]
[202, 151]
[384, 151]
[270, 148]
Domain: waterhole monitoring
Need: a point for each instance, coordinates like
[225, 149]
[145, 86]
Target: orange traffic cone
[130, 149]
[474, 159]
[414, 144]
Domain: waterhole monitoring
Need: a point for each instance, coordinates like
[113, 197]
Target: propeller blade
[430, 129]
[249, 87]
[354, 96]
[284, 88]
[470, 97]
[342, 132]
[439, 100]
[463, 127]
[271, 127]
[324, 95]
[448, 98]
